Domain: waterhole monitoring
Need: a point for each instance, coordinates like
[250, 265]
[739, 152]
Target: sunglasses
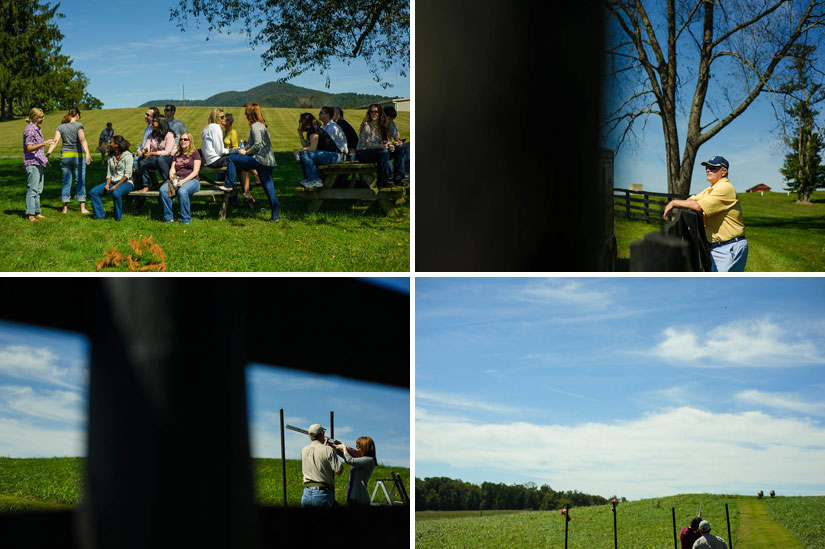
[373, 112]
[713, 168]
[184, 139]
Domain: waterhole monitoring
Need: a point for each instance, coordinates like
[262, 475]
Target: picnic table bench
[205, 180]
[353, 181]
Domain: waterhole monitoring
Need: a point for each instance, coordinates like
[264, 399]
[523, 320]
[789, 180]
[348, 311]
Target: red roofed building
[760, 187]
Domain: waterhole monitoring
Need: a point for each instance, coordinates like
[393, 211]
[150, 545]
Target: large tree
[306, 35]
[725, 53]
[33, 72]
[803, 170]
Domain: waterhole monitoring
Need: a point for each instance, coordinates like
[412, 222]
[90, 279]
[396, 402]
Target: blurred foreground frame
[507, 160]
[168, 444]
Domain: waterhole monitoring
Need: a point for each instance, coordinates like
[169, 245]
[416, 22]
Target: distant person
[118, 178]
[374, 145]
[334, 131]
[177, 127]
[184, 178]
[707, 539]
[75, 147]
[103, 141]
[689, 535]
[149, 116]
[34, 160]
[401, 155]
[362, 459]
[346, 127]
[156, 154]
[722, 214]
[215, 155]
[318, 149]
[319, 465]
[258, 155]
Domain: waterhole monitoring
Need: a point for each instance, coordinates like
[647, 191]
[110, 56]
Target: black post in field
[727, 518]
[673, 512]
[615, 535]
[566, 520]
[283, 457]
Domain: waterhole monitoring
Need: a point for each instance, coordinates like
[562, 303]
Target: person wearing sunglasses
[722, 215]
[215, 155]
[183, 176]
[374, 143]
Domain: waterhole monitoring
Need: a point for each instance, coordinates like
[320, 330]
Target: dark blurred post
[283, 457]
[727, 518]
[673, 512]
[508, 110]
[615, 531]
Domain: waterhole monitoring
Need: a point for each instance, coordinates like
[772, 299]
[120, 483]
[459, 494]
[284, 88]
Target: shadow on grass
[801, 223]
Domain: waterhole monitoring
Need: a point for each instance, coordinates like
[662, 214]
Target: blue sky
[640, 387]
[43, 399]
[132, 53]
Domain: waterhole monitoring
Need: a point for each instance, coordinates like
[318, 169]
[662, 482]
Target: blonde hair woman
[34, 161]
[214, 153]
[183, 176]
[74, 148]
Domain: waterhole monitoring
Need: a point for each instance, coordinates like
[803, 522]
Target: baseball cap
[716, 161]
[316, 429]
[704, 526]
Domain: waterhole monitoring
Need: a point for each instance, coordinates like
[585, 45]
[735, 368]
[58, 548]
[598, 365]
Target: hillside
[277, 94]
[55, 483]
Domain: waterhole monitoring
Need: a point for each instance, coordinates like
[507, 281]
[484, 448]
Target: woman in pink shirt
[157, 153]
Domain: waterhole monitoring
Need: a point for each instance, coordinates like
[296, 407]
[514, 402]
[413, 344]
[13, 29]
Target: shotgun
[329, 442]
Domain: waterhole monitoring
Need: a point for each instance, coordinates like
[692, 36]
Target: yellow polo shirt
[723, 213]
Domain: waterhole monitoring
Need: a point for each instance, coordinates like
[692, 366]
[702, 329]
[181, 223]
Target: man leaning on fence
[722, 215]
[319, 464]
[708, 540]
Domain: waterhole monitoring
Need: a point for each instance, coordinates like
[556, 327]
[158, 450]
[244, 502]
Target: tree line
[446, 494]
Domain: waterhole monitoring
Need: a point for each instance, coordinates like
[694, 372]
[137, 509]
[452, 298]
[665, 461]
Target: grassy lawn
[782, 235]
[56, 483]
[344, 236]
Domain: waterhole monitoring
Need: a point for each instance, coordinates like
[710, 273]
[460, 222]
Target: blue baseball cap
[717, 161]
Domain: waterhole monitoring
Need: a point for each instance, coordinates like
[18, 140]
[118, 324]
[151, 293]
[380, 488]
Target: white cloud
[463, 402]
[781, 401]
[21, 439]
[564, 290]
[34, 364]
[751, 343]
[63, 406]
[667, 452]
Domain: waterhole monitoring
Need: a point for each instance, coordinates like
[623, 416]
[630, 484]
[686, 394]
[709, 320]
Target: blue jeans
[228, 177]
[34, 187]
[380, 157]
[317, 497]
[245, 162]
[729, 257]
[310, 160]
[117, 197]
[160, 163]
[401, 162]
[182, 193]
[73, 166]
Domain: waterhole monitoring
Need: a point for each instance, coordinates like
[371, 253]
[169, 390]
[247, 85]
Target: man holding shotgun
[319, 464]
[689, 535]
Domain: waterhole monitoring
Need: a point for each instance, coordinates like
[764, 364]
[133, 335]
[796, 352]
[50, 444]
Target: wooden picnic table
[353, 181]
[211, 190]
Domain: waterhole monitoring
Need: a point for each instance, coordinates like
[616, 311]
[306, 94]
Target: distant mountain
[275, 94]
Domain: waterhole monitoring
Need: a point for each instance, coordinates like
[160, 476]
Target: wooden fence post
[283, 457]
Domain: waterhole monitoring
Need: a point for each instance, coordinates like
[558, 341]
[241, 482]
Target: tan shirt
[723, 213]
[710, 540]
[319, 463]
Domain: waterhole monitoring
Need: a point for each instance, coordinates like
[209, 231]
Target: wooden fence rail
[643, 205]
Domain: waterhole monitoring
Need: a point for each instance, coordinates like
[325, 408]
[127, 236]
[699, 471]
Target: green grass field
[783, 236]
[344, 236]
[641, 524]
[56, 483]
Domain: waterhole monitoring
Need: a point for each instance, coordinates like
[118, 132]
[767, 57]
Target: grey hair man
[319, 464]
[708, 540]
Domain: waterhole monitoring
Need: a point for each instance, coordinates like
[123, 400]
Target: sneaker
[315, 184]
[304, 183]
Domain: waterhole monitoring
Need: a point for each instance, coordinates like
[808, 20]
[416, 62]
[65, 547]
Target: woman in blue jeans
[318, 149]
[258, 155]
[183, 176]
[74, 148]
[374, 143]
[118, 178]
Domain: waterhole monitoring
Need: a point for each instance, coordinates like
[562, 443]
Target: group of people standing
[320, 463]
[168, 147]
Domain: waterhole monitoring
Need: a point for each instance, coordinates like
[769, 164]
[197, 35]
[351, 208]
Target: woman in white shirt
[213, 151]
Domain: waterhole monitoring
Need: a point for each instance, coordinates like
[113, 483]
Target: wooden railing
[643, 205]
